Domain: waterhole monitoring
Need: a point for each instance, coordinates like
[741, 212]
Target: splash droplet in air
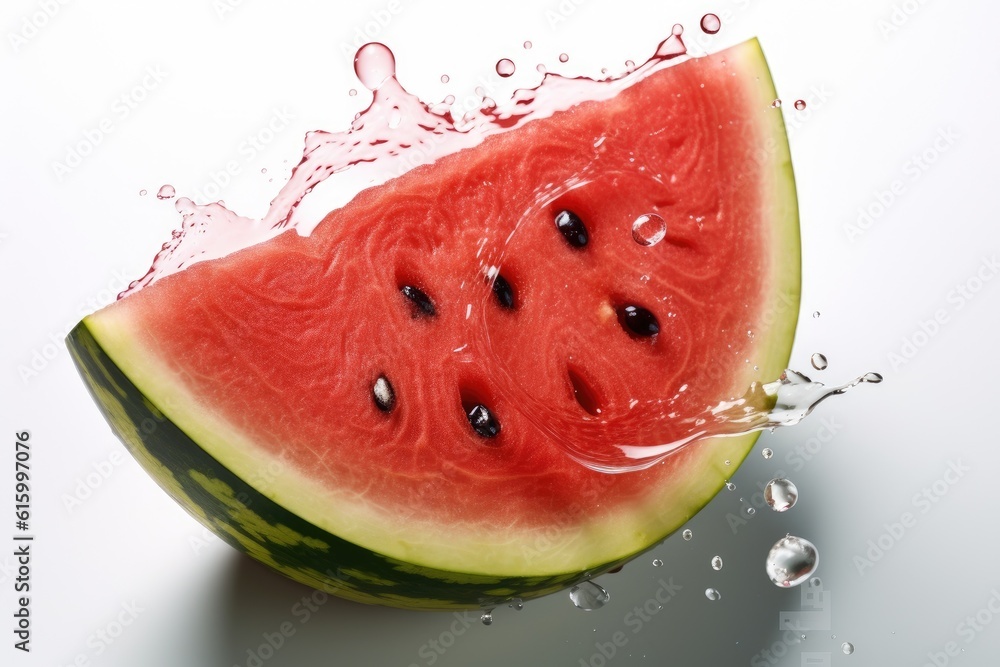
[657, 562]
[527, 45]
[847, 648]
[374, 64]
[800, 105]
[776, 104]
[713, 594]
[505, 67]
[687, 534]
[819, 361]
[487, 617]
[588, 596]
[564, 57]
[781, 494]
[445, 78]
[649, 229]
[791, 561]
[166, 192]
[710, 24]
[767, 452]
[716, 563]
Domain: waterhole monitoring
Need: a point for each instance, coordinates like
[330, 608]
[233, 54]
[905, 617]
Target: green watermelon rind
[267, 521]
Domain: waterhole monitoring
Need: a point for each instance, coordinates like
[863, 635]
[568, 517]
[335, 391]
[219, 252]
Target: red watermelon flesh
[270, 359]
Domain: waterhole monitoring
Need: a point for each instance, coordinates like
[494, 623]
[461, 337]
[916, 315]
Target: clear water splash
[765, 406]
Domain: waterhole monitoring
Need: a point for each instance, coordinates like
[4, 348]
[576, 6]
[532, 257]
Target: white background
[880, 94]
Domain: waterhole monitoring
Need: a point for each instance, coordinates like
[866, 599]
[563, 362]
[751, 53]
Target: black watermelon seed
[572, 228]
[638, 321]
[383, 394]
[483, 422]
[503, 292]
[422, 304]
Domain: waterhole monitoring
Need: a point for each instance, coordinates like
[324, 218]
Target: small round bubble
[657, 562]
[791, 561]
[487, 618]
[505, 67]
[649, 229]
[527, 45]
[713, 594]
[776, 104]
[166, 192]
[716, 563]
[445, 78]
[819, 361]
[563, 57]
[677, 30]
[800, 105]
[687, 534]
[767, 452]
[781, 494]
[847, 648]
[730, 486]
[710, 24]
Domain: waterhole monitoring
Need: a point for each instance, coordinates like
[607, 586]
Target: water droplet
[710, 23]
[527, 45]
[449, 99]
[487, 617]
[800, 104]
[517, 604]
[712, 594]
[819, 361]
[873, 378]
[815, 581]
[716, 563]
[374, 63]
[781, 494]
[563, 57]
[540, 68]
[687, 534]
[767, 452]
[649, 229]
[142, 193]
[728, 462]
[588, 596]
[815, 314]
[505, 67]
[751, 511]
[166, 192]
[657, 562]
[791, 561]
[847, 648]
[352, 92]
[730, 486]
[445, 78]
[776, 104]
[630, 64]
[677, 30]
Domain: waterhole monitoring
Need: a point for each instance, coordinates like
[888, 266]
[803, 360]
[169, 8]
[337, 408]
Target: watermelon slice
[386, 408]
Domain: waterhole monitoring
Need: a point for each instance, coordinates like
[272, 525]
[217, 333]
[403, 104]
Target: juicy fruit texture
[381, 408]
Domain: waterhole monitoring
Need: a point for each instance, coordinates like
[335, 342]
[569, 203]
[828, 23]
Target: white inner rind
[469, 548]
